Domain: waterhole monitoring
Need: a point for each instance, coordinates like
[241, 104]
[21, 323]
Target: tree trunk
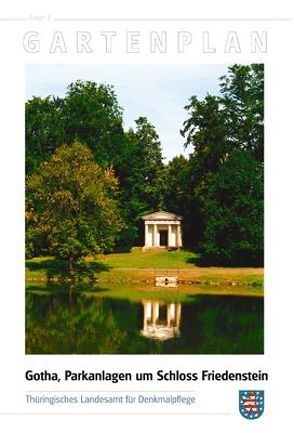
[70, 264]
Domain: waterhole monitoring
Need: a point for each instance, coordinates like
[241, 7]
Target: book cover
[146, 221]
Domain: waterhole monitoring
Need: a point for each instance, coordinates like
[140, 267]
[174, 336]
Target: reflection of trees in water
[71, 321]
[222, 325]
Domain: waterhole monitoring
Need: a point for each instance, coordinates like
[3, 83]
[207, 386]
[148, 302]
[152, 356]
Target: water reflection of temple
[161, 320]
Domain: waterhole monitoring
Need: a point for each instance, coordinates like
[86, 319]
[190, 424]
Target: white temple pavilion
[162, 230]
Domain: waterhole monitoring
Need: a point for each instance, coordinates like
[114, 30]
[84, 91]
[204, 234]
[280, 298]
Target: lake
[95, 320]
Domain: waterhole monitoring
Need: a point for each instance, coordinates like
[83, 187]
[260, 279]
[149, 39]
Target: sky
[158, 92]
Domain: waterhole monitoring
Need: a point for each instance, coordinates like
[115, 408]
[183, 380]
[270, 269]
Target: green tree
[93, 117]
[219, 128]
[242, 99]
[233, 212]
[148, 165]
[72, 205]
[180, 198]
[88, 113]
[218, 125]
[140, 173]
[206, 130]
[44, 130]
[175, 184]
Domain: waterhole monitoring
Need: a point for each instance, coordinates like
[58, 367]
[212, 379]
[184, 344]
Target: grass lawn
[137, 258]
[137, 266]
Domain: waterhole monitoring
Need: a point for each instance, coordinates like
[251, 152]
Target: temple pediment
[162, 216]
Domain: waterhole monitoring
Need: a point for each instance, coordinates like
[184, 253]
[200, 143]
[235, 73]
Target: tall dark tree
[206, 130]
[93, 116]
[233, 212]
[242, 99]
[218, 125]
[149, 163]
[220, 128]
[176, 175]
[44, 130]
[140, 173]
[180, 197]
[89, 113]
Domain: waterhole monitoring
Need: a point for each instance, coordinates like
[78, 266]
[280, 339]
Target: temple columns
[152, 234]
[169, 235]
[155, 236]
[178, 237]
[146, 235]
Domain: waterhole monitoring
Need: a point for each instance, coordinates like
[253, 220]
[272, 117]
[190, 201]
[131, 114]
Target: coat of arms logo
[251, 404]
